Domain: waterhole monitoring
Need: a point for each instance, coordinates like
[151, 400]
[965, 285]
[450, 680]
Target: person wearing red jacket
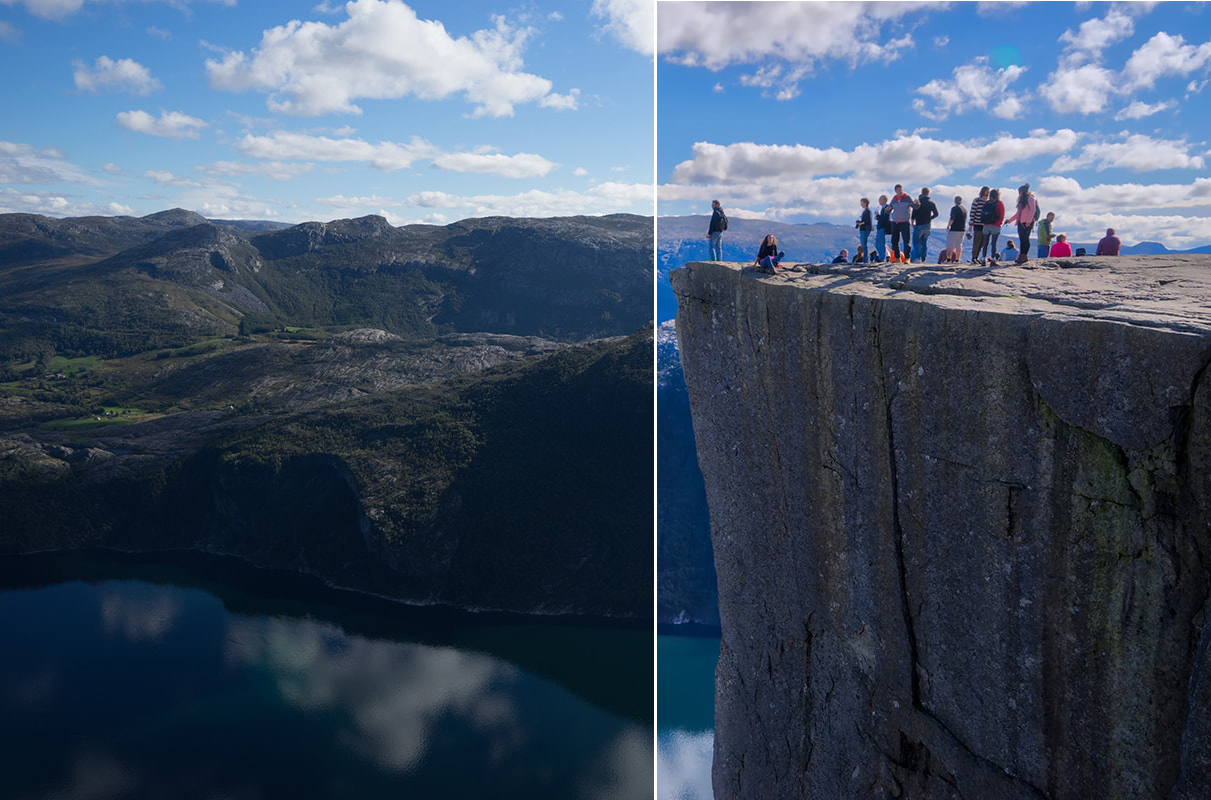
[1061, 248]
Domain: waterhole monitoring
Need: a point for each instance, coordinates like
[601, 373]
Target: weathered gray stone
[961, 524]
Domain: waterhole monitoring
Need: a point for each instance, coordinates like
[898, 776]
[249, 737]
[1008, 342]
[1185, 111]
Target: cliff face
[961, 524]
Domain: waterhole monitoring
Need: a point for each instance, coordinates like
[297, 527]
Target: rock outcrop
[962, 526]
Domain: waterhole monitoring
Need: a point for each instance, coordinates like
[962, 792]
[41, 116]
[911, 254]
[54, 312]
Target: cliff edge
[962, 526]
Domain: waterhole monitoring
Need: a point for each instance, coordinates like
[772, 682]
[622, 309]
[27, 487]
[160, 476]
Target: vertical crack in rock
[897, 526]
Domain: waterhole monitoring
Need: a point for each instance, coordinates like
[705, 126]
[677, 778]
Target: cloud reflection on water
[683, 765]
[392, 693]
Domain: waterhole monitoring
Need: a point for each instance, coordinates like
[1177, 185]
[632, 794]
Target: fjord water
[132, 678]
[685, 713]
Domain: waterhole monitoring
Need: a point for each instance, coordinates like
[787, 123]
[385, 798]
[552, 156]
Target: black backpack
[722, 220]
[988, 214]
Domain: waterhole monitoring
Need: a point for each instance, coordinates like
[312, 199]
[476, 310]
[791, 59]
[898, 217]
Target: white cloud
[580, 172]
[167, 178]
[372, 201]
[1095, 35]
[908, 158]
[389, 156]
[1164, 55]
[382, 51]
[1136, 152]
[522, 165]
[715, 35]
[48, 9]
[60, 9]
[562, 102]
[275, 170]
[24, 163]
[288, 146]
[972, 86]
[604, 198]
[1139, 110]
[631, 22]
[123, 75]
[171, 124]
[1083, 90]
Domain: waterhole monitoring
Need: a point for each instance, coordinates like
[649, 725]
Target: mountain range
[450, 414]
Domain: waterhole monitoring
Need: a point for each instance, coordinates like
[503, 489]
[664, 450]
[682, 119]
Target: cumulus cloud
[382, 51]
[631, 22]
[60, 9]
[390, 156]
[971, 86]
[1161, 56]
[1082, 84]
[25, 163]
[716, 35]
[1095, 35]
[1084, 90]
[290, 146]
[521, 165]
[170, 124]
[909, 157]
[123, 75]
[274, 170]
[604, 198]
[1139, 110]
[1135, 152]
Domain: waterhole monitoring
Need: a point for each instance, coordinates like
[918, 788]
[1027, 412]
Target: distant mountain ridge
[82, 284]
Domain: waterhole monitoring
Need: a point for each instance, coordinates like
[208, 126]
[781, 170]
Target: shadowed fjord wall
[961, 527]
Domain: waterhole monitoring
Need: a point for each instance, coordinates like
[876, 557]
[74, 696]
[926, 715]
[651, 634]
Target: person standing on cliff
[901, 227]
[993, 215]
[882, 226]
[975, 228]
[1109, 244]
[923, 214]
[1025, 215]
[864, 225]
[714, 233]
[1045, 234]
[954, 232]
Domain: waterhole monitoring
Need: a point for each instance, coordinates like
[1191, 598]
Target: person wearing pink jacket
[1025, 215]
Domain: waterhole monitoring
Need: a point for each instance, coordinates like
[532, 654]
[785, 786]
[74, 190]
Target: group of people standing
[909, 223]
[906, 219]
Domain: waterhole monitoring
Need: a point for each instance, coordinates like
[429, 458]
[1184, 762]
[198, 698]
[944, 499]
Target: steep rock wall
[961, 525]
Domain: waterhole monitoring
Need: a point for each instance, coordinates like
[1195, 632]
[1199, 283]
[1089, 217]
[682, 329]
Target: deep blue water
[685, 715]
[136, 679]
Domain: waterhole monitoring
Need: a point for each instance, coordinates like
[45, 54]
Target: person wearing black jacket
[882, 228]
[714, 233]
[923, 214]
[954, 231]
[864, 225]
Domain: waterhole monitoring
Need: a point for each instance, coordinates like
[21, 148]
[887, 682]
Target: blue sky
[424, 111]
[793, 111]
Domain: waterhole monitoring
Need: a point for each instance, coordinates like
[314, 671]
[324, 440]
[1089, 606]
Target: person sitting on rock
[768, 257]
[1109, 244]
[860, 256]
[843, 257]
[1061, 248]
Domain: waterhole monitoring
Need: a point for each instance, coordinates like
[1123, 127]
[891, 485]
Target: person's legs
[881, 244]
[1024, 241]
[977, 241]
[1043, 250]
[864, 240]
[923, 238]
[993, 235]
[716, 245]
